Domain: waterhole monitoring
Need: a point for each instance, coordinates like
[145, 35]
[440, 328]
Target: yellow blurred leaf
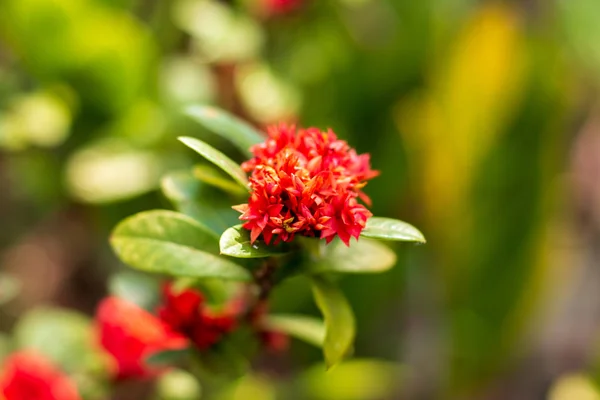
[473, 91]
[253, 387]
[360, 379]
[574, 386]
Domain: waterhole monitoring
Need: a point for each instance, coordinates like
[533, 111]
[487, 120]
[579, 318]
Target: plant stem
[264, 278]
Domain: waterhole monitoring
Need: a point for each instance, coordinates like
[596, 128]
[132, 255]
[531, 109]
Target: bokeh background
[483, 116]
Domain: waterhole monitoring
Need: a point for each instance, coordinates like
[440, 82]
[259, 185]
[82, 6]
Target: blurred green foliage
[466, 107]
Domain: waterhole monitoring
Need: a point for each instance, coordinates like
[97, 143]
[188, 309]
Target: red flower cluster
[130, 334]
[305, 182]
[185, 312]
[29, 376]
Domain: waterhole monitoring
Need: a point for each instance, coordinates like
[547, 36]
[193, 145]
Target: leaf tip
[420, 239]
[330, 364]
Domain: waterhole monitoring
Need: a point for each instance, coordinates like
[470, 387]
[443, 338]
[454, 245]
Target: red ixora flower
[305, 182]
[27, 375]
[185, 312]
[130, 334]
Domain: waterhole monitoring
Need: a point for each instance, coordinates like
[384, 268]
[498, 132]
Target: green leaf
[9, 287]
[168, 357]
[226, 125]
[364, 256]
[308, 329]
[214, 177]
[219, 159]
[363, 379]
[167, 242]
[200, 201]
[171, 226]
[339, 320]
[235, 242]
[392, 229]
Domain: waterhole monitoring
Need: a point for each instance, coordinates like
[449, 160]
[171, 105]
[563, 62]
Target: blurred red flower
[27, 375]
[282, 6]
[130, 334]
[305, 182]
[273, 340]
[185, 312]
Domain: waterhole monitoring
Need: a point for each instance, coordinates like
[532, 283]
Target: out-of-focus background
[483, 116]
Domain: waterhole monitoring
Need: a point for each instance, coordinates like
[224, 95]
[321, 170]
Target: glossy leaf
[308, 329]
[392, 229]
[339, 320]
[226, 125]
[171, 243]
[219, 159]
[364, 256]
[215, 178]
[168, 225]
[235, 242]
